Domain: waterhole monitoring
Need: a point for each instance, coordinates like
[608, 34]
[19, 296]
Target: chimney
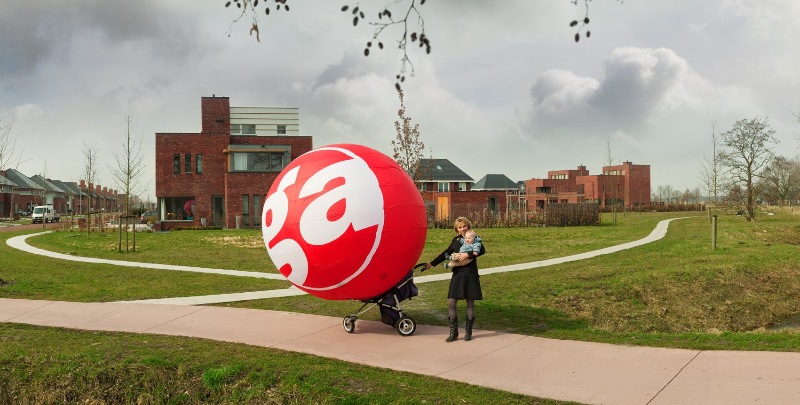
[216, 115]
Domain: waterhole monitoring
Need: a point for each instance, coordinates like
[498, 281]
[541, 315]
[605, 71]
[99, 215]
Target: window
[176, 208]
[187, 164]
[281, 129]
[198, 161]
[177, 163]
[243, 129]
[257, 161]
[492, 206]
[462, 186]
[245, 211]
[256, 212]
[444, 187]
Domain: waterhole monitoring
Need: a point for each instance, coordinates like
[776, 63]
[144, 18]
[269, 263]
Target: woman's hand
[427, 266]
[461, 256]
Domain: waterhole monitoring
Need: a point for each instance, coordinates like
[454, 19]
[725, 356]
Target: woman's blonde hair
[461, 220]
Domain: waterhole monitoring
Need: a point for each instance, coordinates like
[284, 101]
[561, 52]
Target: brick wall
[215, 178]
[200, 186]
[216, 115]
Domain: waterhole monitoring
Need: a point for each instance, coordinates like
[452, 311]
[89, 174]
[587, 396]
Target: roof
[445, 171]
[6, 182]
[47, 184]
[21, 180]
[495, 182]
[63, 186]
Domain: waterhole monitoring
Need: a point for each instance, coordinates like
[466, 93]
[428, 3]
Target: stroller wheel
[349, 323]
[406, 326]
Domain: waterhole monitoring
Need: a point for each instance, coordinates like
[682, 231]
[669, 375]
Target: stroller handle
[420, 265]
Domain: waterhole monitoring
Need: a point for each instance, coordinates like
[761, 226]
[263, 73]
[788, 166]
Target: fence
[517, 215]
[672, 207]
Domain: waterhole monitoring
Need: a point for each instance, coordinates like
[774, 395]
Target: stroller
[389, 305]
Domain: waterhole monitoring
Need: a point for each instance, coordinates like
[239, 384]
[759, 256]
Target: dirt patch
[4, 283]
[238, 241]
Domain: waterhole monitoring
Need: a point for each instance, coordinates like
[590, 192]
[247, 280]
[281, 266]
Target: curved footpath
[586, 372]
[19, 242]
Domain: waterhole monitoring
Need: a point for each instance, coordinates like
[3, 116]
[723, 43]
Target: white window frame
[444, 187]
[238, 129]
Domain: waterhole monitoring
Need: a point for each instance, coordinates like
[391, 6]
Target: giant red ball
[344, 222]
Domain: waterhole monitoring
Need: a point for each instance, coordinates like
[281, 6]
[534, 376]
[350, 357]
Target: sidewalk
[592, 373]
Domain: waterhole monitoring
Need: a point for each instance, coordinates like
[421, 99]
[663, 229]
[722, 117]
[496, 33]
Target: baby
[470, 243]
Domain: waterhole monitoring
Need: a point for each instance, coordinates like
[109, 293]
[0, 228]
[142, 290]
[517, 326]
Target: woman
[465, 282]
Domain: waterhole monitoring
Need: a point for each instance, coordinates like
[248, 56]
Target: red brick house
[627, 183]
[225, 171]
[450, 193]
[26, 194]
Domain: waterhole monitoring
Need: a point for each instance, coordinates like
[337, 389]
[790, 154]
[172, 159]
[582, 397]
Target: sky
[504, 90]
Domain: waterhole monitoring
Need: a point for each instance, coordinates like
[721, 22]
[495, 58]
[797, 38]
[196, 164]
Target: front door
[443, 210]
[217, 210]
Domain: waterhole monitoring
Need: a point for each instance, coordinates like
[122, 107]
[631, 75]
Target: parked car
[147, 215]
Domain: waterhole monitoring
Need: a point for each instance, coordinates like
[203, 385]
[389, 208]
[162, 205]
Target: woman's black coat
[465, 282]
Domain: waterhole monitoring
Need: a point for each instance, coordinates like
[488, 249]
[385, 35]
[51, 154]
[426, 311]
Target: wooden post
[714, 233]
[119, 244]
[134, 234]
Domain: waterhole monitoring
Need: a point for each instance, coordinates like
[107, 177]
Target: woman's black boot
[453, 330]
[468, 333]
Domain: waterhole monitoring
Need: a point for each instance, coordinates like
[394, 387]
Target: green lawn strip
[38, 277]
[672, 293]
[54, 365]
[244, 249]
[232, 250]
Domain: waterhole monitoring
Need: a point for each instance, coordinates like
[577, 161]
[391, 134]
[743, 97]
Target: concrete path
[19, 242]
[591, 373]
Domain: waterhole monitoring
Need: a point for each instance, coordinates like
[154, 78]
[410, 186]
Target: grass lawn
[37, 277]
[675, 292]
[244, 249]
[52, 365]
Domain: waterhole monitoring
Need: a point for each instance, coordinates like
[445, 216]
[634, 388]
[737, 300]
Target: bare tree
[10, 156]
[712, 174]
[42, 194]
[408, 148]
[91, 162]
[781, 179]
[696, 194]
[129, 160]
[675, 195]
[407, 17]
[667, 193]
[749, 151]
[796, 135]
[612, 182]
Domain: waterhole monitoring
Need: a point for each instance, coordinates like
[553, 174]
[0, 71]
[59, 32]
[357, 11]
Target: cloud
[639, 87]
[36, 31]
[27, 111]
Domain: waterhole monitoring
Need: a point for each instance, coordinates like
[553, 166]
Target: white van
[44, 213]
